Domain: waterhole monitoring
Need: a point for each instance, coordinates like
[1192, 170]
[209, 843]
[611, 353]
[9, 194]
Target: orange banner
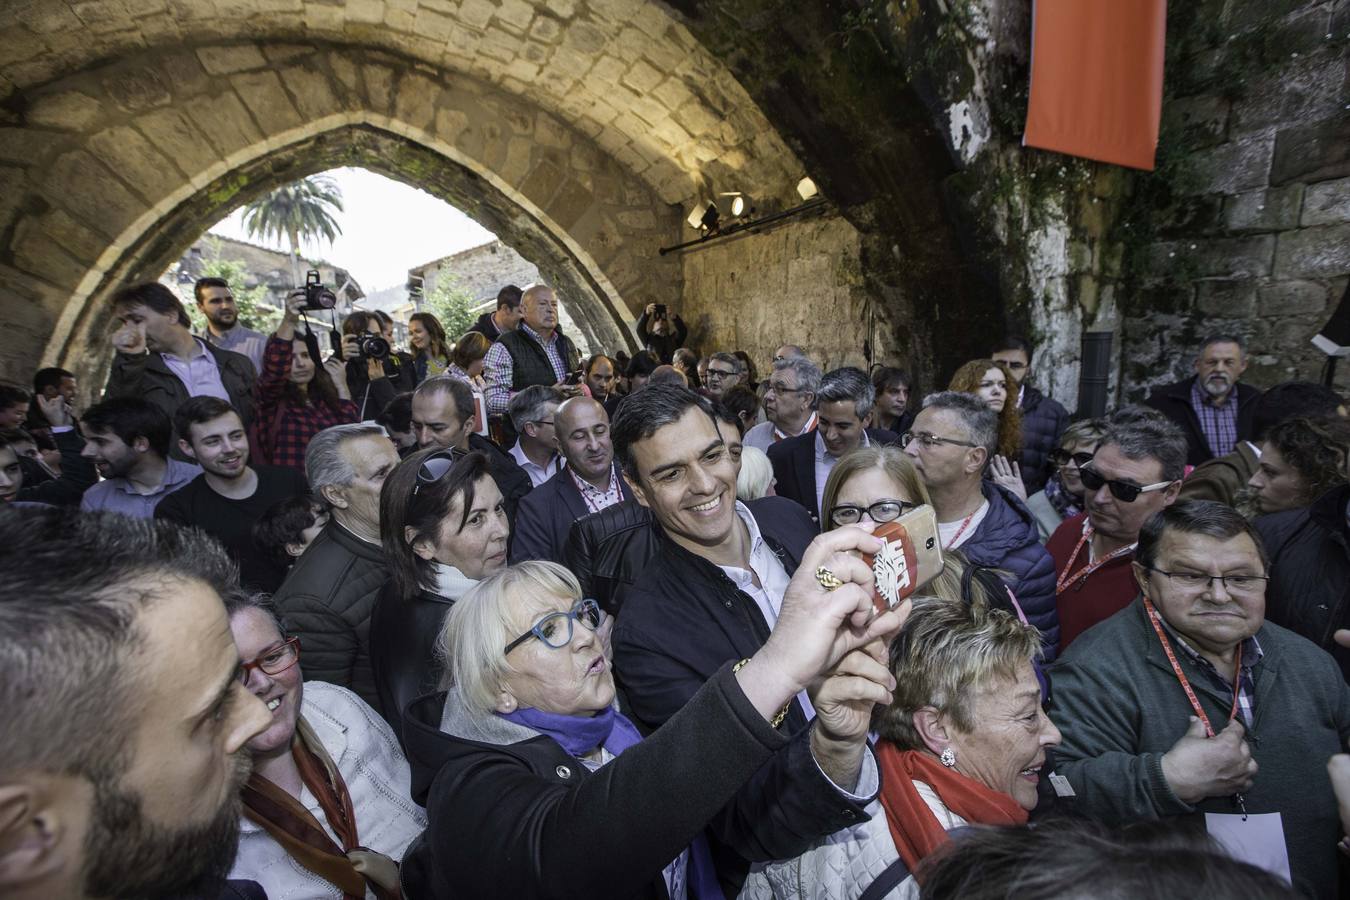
[1096, 79]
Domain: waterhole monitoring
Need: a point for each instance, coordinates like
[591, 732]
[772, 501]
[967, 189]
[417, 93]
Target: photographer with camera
[295, 397]
[661, 332]
[374, 373]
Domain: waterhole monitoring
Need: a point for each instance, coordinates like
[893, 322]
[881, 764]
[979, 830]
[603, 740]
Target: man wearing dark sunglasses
[1135, 472]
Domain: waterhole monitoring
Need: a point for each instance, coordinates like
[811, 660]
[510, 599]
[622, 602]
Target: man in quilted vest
[1043, 419]
[535, 353]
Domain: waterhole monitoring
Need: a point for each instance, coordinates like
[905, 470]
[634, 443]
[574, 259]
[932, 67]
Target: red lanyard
[960, 531]
[1181, 676]
[1067, 581]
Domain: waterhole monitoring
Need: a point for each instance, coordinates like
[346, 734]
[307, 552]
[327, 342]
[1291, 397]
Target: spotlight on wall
[704, 217]
[696, 214]
[742, 205]
[806, 189]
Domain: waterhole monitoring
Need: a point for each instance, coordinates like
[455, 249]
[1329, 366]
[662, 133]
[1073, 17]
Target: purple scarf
[579, 735]
[1065, 504]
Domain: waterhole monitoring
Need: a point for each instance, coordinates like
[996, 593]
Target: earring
[948, 758]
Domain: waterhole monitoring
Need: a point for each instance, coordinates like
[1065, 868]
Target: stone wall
[800, 283]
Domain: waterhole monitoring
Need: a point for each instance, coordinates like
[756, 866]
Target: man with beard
[1213, 410]
[1135, 472]
[230, 495]
[588, 483]
[127, 440]
[216, 302]
[117, 658]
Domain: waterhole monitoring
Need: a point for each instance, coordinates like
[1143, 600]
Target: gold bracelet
[782, 713]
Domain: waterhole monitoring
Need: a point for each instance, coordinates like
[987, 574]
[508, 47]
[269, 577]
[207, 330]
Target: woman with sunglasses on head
[326, 809]
[443, 526]
[1062, 496]
[536, 785]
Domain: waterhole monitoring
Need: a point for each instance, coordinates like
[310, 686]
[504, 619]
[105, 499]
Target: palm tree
[300, 209]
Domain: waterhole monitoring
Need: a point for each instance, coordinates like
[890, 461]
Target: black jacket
[77, 474]
[403, 635]
[794, 466]
[371, 397]
[526, 819]
[1174, 401]
[663, 345]
[545, 516]
[1043, 424]
[609, 549]
[513, 481]
[1309, 590]
[327, 600]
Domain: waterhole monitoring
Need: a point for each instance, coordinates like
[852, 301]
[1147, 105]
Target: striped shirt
[1218, 423]
[499, 368]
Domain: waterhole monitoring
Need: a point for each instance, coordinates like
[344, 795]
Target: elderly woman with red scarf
[963, 743]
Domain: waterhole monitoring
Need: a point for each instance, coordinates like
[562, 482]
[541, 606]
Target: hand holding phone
[910, 557]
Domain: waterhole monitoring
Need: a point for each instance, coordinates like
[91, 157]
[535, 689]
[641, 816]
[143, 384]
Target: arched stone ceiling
[625, 72]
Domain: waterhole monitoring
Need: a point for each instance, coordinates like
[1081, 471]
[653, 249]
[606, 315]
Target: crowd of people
[299, 618]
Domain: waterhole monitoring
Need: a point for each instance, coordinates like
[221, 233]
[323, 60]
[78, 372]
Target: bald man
[535, 353]
[589, 483]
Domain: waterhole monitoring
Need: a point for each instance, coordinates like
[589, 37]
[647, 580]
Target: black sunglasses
[435, 466]
[1124, 491]
[1063, 458]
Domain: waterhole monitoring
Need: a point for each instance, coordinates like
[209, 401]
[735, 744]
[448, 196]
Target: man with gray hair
[331, 590]
[724, 373]
[1135, 472]
[951, 442]
[536, 450]
[535, 353]
[802, 464]
[789, 403]
[1211, 408]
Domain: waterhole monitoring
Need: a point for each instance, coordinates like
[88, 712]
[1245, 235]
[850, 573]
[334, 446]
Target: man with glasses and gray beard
[952, 440]
[123, 750]
[1212, 409]
[1136, 471]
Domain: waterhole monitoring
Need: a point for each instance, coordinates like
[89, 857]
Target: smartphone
[910, 557]
[660, 311]
[573, 377]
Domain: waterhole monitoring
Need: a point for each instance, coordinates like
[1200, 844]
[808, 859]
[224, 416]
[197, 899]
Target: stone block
[1238, 257]
[1313, 152]
[415, 100]
[545, 28]
[1292, 298]
[224, 122]
[266, 99]
[1312, 87]
[39, 254]
[228, 60]
[176, 137]
[1320, 252]
[379, 85]
[515, 14]
[1225, 297]
[476, 13]
[642, 77]
[368, 12]
[1196, 214]
[1270, 210]
[1327, 203]
[1195, 122]
[184, 71]
[83, 185]
[435, 25]
[450, 123]
[136, 90]
[1239, 165]
[73, 236]
[136, 161]
[68, 110]
[311, 91]
[697, 119]
[584, 37]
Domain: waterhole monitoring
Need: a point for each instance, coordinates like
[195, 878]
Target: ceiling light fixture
[742, 204]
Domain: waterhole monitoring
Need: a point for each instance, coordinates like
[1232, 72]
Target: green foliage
[301, 209]
[452, 305]
[254, 310]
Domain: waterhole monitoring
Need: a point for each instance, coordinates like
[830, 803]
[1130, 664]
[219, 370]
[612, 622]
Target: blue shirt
[120, 496]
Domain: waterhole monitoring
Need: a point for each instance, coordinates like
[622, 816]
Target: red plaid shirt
[283, 431]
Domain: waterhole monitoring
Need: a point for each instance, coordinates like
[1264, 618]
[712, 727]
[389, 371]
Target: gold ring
[827, 579]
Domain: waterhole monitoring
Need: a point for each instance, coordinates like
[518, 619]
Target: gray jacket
[1120, 707]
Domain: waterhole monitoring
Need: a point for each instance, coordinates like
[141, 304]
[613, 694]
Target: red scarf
[914, 828]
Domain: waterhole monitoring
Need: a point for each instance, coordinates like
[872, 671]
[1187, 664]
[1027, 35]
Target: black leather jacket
[403, 636]
[607, 550]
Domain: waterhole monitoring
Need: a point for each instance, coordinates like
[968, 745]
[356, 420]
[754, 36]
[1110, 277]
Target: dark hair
[1012, 342]
[1143, 433]
[283, 523]
[405, 504]
[50, 377]
[384, 317]
[153, 296]
[621, 358]
[885, 376]
[644, 363]
[592, 360]
[457, 388]
[11, 436]
[1071, 858]
[195, 411]
[13, 396]
[1316, 448]
[509, 297]
[320, 391]
[470, 348]
[738, 399]
[747, 366]
[397, 413]
[1289, 399]
[75, 585]
[357, 322]
[130, 418]
[435, 331]
[1223, 338]
[1206, 517]
[644, 412]
[208, 282]
[237, 600]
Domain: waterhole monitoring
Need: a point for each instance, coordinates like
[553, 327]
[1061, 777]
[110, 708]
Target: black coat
[403, 635]
[1043, 424]
[513, 481]
[526, 819]
[1309, 590]
[77, 474]
[327, 600]
[371, 397]
[486, 327]
[1174, 401]
[663, 345]
[545, 516]
[794, 466]
[608, 550]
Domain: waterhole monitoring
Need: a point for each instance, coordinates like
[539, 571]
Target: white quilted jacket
[843, 865]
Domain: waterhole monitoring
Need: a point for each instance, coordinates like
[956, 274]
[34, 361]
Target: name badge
[1256, 838]
[1061, 786]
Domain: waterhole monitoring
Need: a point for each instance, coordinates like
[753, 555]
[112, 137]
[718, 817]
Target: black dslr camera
[371, 346]
[316, 295]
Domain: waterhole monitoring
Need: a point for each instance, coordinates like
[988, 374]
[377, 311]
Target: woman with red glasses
[327, 812]
[1062, 496]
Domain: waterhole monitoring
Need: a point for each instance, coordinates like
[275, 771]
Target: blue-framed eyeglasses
[555, 629]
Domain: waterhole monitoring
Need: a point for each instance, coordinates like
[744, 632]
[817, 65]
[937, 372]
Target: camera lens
[373, 347]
